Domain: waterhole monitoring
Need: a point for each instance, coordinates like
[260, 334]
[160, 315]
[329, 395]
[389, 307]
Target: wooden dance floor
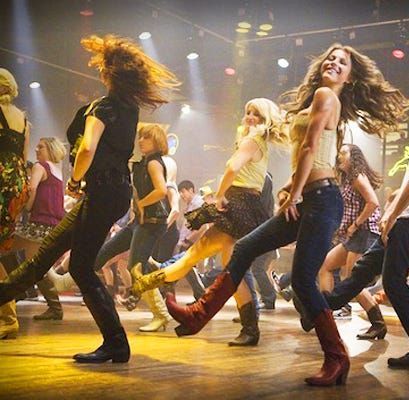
[38, 364]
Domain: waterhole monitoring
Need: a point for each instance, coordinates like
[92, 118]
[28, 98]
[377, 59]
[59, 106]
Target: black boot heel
[374, 332]
[182, 330]
[120, 358]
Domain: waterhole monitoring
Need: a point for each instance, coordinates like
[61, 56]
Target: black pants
[83, 230]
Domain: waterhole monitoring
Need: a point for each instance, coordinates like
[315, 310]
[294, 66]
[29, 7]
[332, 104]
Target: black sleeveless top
[11, 141]
[143, 185]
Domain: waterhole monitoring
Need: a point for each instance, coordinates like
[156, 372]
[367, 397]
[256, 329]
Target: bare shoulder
[325, 96]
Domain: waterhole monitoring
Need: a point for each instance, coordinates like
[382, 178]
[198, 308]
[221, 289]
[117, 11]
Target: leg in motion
[272, 234]
[395, 272]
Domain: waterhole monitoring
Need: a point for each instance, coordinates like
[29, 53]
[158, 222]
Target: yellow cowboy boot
[8, 321]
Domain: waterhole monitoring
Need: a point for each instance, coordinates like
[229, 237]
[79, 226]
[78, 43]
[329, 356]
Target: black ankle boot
[115, 348]
[249, 334]
[378, 328]
[399, 362]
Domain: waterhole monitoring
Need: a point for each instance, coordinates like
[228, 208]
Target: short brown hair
[158, 135]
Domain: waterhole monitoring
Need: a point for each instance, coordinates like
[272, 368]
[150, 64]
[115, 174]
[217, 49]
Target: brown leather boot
[194, 317]
[378, 328]
[336, 363]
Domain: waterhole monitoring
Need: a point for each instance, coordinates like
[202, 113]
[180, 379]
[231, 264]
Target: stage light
[87, 12]
[244, 25]
[283, 63]
[185, 109]
[192, 56]
[229, 71]
[398, 53]
[242, 30]
[266, 27]
[34, 85]
[261, 33]
[145, 35]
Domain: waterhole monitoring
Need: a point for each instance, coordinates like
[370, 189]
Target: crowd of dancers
[328, 207]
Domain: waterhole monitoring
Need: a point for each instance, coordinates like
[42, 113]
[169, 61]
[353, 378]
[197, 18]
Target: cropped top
[327, 151]
[252, 174]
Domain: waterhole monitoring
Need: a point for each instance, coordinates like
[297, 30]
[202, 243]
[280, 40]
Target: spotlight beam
[49, 64]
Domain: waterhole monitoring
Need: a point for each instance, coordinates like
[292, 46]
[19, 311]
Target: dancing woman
[46, 208]
[133, 80]
[14, 141]
[358, 229]
[237, 211]
[341, 84]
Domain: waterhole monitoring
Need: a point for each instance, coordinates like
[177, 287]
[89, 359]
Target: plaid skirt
[243, 214]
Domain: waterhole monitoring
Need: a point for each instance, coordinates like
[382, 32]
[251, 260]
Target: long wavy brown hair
[358, 165]
[128, 72]
[368, 98]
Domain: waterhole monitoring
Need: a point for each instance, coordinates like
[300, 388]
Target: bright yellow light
[261, 33]
[266, 27]
[244, 25]
[242, 30]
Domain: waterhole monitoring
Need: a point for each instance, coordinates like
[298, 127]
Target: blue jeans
[364, 271]
[139, 239]
[320, 215]
[258, 269]
[144, 239]
[392, 263]
[117, 244]
[395, 270]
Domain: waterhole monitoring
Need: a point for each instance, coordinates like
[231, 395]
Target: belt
[154, 220]
[244, 190]
[309, 187]
[110, 177]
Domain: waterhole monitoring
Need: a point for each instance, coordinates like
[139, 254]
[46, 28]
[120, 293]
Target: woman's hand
[141, 212]
[172, 217]
[73, 189]
[221, 203]
[385, 225]
[289, 208]
[351, 229]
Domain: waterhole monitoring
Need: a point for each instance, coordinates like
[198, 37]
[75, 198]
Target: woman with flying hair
[341, 84]
[133, 80]
[237, 211]
[358, 229]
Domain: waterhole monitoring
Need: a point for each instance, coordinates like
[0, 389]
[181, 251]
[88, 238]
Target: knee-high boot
[50, 293]
[8, 321]
[250, 333]
[194, 317]
[378, 328]
[336, 363]
[161, 317]
[115, 346]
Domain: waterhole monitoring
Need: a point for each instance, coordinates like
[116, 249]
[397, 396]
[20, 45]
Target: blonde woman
[341, 84]
[237, 211]
[46, 208]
